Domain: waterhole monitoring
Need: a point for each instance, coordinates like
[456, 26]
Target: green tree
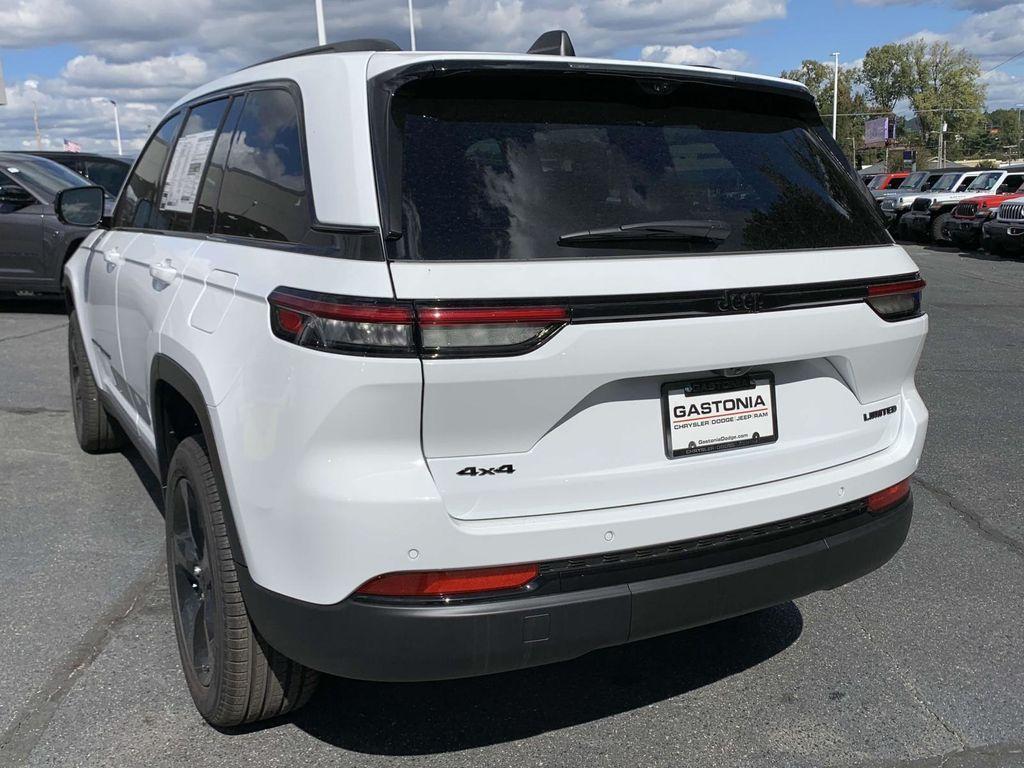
[886, 75]
[819, 77]
[943, 78]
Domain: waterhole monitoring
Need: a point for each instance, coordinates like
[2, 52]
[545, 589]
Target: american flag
[72, 146]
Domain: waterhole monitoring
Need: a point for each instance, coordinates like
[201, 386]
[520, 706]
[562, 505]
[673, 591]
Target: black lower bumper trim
[393, 642]
[1005, 237]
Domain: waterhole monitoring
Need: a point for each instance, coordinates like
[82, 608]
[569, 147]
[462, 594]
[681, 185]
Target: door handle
[113, 257]
[163, 272]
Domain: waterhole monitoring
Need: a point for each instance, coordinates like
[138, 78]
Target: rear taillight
[889, 497]
[339, 324]
[896, 301]
[382, 327]
[449, 583]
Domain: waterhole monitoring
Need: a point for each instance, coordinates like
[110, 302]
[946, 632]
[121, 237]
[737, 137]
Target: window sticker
[186, 171]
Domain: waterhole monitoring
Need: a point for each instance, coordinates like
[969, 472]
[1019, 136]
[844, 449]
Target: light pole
[412, 28]
[321, 32]
[117, 127]
[835, 97]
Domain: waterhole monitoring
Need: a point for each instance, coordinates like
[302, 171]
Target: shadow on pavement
[54, 306]
[146, 477]
[426, 718]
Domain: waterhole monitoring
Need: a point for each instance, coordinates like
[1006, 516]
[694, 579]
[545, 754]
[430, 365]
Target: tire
[233, 674]
[96, 430]
[937, 223]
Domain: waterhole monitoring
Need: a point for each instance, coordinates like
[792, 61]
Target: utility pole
[412, 28]
[835, 95]
[942, 131]
[35, 119]
[321, 32]
[1019, 107]
[117, 127]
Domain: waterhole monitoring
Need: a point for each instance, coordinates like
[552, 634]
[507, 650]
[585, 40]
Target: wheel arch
[179, 411]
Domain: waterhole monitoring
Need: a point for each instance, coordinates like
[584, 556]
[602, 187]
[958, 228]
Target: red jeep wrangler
[964, 226]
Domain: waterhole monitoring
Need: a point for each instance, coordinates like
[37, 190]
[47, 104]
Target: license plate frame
[703, 387]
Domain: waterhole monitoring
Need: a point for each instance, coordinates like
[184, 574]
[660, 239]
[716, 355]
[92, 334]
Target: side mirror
[14, 194]
[80, 206]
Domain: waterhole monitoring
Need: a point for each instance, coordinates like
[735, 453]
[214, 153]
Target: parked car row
[957, 205]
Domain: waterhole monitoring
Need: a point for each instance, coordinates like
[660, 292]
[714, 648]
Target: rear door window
[965, 183]
[188, 163]
[1011, 184]
[530, 167]
[206, 207]
[137, 205]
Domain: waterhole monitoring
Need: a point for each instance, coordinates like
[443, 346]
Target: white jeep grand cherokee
[459, 363]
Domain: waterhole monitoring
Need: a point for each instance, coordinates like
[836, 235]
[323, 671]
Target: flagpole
[412, 28]
[321, 31]
[117, 127]
[35, 119]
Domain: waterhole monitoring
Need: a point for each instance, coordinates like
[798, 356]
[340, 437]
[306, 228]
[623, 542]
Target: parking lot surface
[919, 664]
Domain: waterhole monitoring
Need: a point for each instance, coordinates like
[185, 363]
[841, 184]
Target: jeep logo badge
[739, 301]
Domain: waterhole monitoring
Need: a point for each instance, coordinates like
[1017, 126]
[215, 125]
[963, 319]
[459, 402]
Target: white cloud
[1004, 89]
[147, 54]
[729, 58]
[993, 35]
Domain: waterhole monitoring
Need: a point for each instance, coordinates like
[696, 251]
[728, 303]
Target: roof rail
[342, 46]
[554, 42]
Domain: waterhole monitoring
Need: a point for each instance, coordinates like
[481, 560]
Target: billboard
[877, 132]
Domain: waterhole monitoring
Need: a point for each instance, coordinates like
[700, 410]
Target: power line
[997, 66]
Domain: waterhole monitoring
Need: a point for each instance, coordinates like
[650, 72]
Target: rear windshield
[109, 174]
[503, 166]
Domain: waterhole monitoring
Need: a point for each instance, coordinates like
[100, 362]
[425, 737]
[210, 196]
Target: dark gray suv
[34, 243]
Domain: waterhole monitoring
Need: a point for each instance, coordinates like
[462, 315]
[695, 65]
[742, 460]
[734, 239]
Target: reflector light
[889, 497]
[446, 583]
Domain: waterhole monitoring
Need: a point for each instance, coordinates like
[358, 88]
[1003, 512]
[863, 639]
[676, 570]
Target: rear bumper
[394, 641]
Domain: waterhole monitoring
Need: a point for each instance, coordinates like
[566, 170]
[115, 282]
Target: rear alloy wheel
[234, 676]
[95, 429]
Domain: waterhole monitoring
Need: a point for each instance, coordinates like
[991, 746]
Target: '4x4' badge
[504, 469]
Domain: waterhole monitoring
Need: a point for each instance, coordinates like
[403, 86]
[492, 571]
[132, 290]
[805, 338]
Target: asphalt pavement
[918, 664]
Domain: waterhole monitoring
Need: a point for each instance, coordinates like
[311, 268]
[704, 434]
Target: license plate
[716, 414]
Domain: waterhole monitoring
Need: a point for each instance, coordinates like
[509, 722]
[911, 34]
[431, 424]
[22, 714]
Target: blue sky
[68, 56]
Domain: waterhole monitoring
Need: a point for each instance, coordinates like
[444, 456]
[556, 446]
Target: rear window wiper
[708, 231]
